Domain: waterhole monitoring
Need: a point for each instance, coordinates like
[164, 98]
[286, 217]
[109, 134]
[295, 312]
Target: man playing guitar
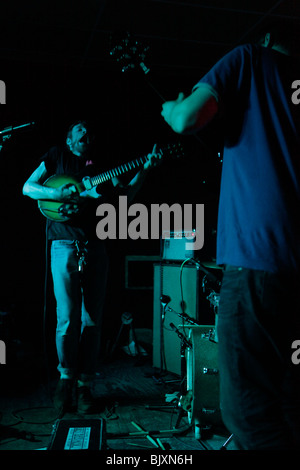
[79, 262]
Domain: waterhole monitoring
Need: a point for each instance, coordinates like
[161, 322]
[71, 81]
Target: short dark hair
[76, 123]
[284, 32]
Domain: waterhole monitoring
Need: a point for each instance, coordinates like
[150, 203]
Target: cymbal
[211, 265]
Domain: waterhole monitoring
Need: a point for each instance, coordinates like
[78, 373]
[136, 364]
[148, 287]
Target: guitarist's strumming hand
[69, 194]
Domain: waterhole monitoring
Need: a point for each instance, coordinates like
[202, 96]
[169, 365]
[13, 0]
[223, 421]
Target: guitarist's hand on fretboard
[153, 158]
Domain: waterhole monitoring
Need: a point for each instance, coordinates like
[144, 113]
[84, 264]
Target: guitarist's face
[79, 140]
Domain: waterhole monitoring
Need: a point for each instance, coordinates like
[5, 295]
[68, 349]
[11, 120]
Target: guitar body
[58, 211]
[53, 209]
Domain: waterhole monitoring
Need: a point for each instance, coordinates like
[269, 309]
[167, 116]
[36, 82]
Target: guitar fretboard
[119, 170]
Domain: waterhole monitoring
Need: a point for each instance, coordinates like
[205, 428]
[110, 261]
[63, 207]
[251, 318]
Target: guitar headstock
[130, 53]
[174, 150]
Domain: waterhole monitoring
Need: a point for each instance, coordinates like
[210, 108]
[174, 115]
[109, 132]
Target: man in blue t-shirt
[251, 90]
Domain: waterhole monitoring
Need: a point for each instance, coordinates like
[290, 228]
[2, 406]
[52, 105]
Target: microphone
[165, 299]
[10, 129]
[181, 336]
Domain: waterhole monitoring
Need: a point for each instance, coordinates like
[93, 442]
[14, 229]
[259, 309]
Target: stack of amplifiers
[168, 280]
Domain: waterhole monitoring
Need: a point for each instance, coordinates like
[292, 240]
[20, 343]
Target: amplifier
[174, 245]
[168, 280]
[203, 377]
[78, 434]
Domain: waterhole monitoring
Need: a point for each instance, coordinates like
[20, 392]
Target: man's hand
[67, 193]
[69, 209]
[153, 159]
[168, 108]
[191, 113]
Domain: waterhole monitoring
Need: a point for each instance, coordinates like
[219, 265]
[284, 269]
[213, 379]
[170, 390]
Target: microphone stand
[184, 344]
[164, 300]
[6, 133]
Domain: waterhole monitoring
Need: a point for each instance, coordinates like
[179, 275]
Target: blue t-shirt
[259, 208]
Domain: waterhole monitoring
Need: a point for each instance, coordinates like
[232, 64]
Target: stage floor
[129, 393]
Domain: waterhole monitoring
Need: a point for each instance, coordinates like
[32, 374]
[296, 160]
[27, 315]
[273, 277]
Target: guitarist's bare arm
[34, 188]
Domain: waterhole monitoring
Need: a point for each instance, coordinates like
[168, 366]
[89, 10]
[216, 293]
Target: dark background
[57, 67]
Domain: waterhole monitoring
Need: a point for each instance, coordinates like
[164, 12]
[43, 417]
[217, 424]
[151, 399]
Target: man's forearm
[191, 113]
[38, 191]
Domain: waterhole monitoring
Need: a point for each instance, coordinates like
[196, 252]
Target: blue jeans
[80, 297]
[258, 320]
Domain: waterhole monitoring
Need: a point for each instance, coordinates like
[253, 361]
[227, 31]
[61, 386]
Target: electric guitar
[58, 211]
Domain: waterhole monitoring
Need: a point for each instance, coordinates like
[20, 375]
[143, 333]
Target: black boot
[85, 400]
[63, 395]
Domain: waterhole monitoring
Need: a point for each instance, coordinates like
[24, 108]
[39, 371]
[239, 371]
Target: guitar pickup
[87, 183]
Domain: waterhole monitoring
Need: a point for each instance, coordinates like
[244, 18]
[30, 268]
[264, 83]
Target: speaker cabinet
[202, 395]
[181, 284]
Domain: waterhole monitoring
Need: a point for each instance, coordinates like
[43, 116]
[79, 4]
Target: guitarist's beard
[82, 145]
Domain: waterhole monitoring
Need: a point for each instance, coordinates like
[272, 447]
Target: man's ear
[68, 142]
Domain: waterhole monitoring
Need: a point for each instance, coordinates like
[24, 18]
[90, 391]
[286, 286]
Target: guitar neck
[119, 170]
